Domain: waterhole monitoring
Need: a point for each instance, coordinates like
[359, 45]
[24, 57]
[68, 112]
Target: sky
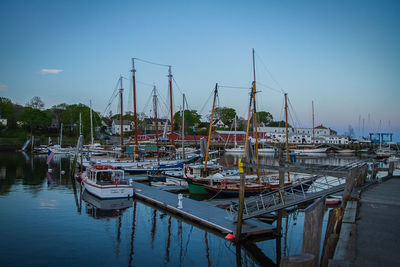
[342, 55]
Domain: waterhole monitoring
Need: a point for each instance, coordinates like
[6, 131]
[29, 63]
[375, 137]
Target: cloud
[50, 71]
[3, 87]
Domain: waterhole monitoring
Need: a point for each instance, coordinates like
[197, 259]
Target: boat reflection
[105, 208]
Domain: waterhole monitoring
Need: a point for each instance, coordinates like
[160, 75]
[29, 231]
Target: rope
[150, 62]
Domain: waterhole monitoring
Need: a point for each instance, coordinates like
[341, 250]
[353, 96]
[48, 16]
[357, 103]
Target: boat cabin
[106, 175]
[198, 170]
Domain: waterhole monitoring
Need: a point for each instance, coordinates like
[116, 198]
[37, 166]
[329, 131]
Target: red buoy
[230, 237]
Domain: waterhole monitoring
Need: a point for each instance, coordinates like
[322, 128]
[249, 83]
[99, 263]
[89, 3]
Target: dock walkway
[211, 217]
[378, 235]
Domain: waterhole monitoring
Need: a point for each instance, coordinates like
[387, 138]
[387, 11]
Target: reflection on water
[45, 225]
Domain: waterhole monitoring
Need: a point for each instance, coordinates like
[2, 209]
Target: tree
[225, 114]
[265, 117]
[7, 109]
[35, 103]
[191, 118]
[279, 124]
[34, 119]
[71, 118]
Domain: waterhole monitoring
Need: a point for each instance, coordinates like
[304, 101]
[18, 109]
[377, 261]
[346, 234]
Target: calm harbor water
[47, 221]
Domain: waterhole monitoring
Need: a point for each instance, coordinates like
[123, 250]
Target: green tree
[7, 109]
[58, 111]
[225, 114]
[71, 119]
[35, 103]
[265, 117]
[34, 119]
[191, 118]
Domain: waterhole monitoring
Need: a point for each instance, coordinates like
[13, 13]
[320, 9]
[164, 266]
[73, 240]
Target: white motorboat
[106, 182]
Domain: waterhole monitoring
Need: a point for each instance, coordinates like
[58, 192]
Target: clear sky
[343, 55]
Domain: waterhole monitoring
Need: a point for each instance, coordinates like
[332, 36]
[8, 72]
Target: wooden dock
[215, 219]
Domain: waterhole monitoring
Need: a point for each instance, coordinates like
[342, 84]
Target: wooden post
[313, 229]
[78, 145]
[362, 176]
[32, 143]
[331, 237]
[374, 171]
[351, 180]
[279, 236]
[391, 168]
[241, 201]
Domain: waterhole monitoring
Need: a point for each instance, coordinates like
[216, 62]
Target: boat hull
[234, 192]
[108, 191]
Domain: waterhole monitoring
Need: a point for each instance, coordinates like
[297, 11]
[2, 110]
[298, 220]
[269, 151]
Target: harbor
[199, 133]
[133, 223]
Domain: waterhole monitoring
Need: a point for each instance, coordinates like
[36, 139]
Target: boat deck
[213, 218]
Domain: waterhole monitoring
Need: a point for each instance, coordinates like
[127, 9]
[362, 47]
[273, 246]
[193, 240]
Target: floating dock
[213, 218]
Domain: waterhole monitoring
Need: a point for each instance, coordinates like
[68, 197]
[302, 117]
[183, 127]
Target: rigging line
[294, 112]
[147, 103]
[233, 87]
[208, 99]
[173, 78]
[113, 96]
[271, 88]
[272, 77]
[153, 63]
[143, 83]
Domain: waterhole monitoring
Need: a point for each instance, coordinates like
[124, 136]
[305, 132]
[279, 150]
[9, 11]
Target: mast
[170, 104]
[80, 123]
[121, 118]
[210, 129]
[61, 133]
[156, 121]
[287, 133]
[313, 128]
[183, 127]
[91, 123]
[134, 106]
[255, 116]
[235, 133]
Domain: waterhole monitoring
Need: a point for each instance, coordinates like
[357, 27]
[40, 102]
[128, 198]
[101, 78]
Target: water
[46, 221]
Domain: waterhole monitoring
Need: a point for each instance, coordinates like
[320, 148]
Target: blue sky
[343, 55]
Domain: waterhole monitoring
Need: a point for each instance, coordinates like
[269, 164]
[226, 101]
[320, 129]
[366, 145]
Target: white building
[116, 126]
[322, 135]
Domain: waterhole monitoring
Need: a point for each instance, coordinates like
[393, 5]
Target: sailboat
[225, 189]
[236, 149]
[309, 149]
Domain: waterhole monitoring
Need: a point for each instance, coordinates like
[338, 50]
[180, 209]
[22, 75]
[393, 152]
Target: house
[116, 126]
[3, 122]
[150, 125]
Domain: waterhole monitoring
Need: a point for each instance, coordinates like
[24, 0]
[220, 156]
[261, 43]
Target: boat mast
[134, 106]
[255, 116]
[313, 129]
[183, 127]
[61, 134]
[287, 133]
[91, 123]
[170, 104]
[80, 123]
[156, 122]
[210, 129]
[235, 133]
[121, 118]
